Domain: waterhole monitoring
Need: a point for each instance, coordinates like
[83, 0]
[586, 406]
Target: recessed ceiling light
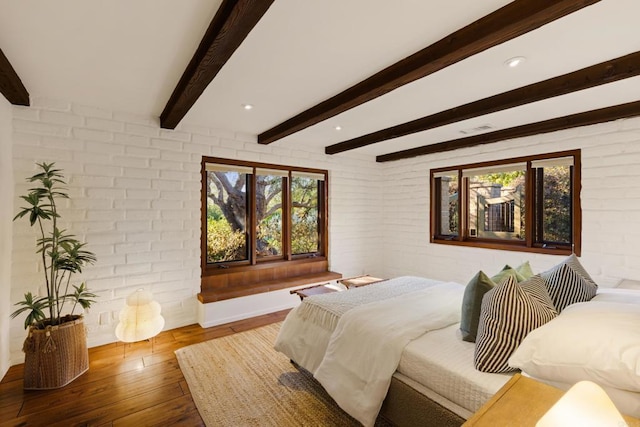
[515, 61]
[338, 127]
[247, 106]
[478, 129]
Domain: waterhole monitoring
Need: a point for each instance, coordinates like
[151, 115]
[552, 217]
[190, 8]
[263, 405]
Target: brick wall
[135, 198]
[610, 207]
[6, 213]
[136, 188]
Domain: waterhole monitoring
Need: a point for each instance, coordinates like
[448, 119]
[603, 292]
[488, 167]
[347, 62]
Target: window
[261, 223]
[305, 230]
[227, 213]
[239, 195]
[527, 204]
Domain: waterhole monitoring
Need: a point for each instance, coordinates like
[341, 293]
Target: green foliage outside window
[557, 204]
[223, 243]
[505, 179]
[227, 216]
[304, 218]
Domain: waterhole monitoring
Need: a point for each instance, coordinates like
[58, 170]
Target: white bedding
[438, 364]
[443, 362]
[597, 341]
[305, 343]
[366, 346]
[304, 338]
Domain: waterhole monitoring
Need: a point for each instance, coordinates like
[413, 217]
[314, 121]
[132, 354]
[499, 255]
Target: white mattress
[443, 363]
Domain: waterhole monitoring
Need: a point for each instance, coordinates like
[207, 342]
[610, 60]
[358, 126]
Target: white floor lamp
[140, 319]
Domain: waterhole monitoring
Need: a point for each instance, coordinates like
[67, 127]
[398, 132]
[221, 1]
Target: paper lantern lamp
[585, 404]
[140, 319]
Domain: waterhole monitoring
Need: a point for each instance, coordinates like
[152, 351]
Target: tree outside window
[241, 197]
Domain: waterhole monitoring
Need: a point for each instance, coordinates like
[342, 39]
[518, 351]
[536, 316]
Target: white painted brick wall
[136, 201]
[6, 213]
[610, 207]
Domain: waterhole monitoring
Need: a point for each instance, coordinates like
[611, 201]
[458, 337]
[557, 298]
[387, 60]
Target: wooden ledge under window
[234, 283]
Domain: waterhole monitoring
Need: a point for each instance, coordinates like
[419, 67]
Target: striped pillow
[479, 285]
[573, 262]
[509, 312]
[567, 286]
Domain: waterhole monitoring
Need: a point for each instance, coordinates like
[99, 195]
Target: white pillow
[595, 340]
[627, 296]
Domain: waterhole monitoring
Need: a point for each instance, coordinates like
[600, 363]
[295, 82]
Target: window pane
[496, 204]
[305, 226]
[226, 216]
[448, 223]
[269, 215]
[556, 204]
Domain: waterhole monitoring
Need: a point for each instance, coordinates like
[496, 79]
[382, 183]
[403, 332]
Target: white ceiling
[129, 55]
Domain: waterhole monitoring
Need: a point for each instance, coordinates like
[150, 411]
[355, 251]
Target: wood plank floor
[125, 386]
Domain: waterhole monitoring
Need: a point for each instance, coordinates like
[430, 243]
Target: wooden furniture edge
[547, 395]
[357, 281]
[496, 397]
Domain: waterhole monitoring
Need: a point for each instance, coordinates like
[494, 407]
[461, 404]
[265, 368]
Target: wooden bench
[357, 281]
[313, 290]
[351, 282]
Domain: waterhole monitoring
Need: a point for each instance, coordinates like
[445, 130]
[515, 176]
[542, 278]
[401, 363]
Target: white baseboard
[231, 310]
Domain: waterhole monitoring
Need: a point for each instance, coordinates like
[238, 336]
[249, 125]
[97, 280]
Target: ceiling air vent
[479, 129]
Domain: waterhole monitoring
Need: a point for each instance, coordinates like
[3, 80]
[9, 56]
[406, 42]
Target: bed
[306, 335]
[427, 374]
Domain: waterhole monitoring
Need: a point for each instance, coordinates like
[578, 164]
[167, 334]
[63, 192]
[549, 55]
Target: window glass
[305, 225]
[226, 215]
[447, 189]
[553, 196]
[497, 203]
[269, 215]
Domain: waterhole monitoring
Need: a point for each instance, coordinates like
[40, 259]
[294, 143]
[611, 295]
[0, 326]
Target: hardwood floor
[130, 386]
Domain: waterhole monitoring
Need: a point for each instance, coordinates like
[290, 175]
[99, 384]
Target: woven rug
[240, 380]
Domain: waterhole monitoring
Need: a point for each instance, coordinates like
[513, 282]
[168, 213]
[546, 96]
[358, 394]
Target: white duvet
[365, 348]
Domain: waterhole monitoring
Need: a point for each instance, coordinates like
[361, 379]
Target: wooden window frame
[225, 280]
[529, 244]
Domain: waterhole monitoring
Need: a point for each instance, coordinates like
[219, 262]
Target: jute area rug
[240, 380]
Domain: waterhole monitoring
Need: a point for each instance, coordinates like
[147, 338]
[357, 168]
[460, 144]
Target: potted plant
[56, 345]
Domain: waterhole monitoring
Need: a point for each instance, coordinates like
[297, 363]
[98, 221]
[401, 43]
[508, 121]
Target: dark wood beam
[605, 72]
[230, 26]
[631, 109]
[10, 84]
[513, 20]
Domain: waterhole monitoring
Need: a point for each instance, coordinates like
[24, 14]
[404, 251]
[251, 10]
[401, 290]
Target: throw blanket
[325, 311]
[365, 349]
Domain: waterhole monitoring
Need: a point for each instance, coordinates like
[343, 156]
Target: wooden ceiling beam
[10, 84]
[228, 29]
[631, 109]
[606, 72]
[513, 20]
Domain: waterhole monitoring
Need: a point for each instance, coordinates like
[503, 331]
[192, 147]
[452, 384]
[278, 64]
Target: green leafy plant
[62, 255]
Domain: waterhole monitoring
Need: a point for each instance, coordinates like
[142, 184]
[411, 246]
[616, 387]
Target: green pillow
[508, 271]
[479, 285]
[525, 270]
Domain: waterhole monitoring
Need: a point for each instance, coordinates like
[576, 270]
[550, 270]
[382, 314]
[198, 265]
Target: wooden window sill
[244, 289]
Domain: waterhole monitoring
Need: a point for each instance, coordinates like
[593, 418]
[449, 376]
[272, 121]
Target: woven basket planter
[56, 355]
